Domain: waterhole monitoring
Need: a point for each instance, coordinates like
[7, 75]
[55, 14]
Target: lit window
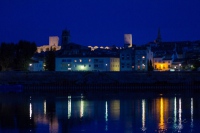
[68, 64]
[80, 60]
[138, 67]
[143, 57]
[132, 66]
[75, 61]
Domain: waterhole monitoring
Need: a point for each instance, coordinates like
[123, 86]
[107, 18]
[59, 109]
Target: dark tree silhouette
[150, 66]
[7, 51]
[50, 60]
[24, 50]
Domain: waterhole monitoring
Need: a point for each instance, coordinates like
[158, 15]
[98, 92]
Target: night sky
[99, 22]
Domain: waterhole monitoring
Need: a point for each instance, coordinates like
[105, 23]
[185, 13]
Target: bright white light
[30, 64]
[30, 110]
[106, 64]
[82, 66]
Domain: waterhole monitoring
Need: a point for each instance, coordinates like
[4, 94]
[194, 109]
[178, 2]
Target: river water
[99, 113]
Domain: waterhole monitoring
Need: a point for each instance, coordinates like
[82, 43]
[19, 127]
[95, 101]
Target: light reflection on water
[74, 113]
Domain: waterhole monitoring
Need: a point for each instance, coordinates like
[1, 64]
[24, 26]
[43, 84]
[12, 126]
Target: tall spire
[159, 39]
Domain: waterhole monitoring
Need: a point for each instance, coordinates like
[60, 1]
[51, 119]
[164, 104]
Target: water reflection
[106, 115]
[180, 126]
[191, 124]
[45, 108]
[175, 112]
[69, 106]
[115, 109]
[81, 108]
[143, 115]
[81, 114]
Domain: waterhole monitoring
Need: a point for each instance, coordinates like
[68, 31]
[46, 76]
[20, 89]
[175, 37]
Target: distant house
[35, 65]
[177, 64]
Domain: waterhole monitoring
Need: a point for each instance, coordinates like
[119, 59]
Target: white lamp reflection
[106, 115]
[81, 108]
[45, 107]
[175, 111]
[191, 113]
[30, 110]
[69, 107]
[143, 116]
[179, 115]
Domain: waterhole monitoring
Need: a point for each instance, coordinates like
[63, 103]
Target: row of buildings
[161, 56]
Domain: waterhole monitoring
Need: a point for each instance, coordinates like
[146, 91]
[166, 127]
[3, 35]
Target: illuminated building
[53, 44]
[135, 59]
[162, 61]
[127, 60]
[87, 63]
[141, 59]
[162, 64]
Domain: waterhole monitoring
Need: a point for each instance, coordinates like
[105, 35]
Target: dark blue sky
[99, 22]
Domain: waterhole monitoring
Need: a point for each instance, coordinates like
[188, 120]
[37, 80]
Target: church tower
[158, 39]
[65, 38]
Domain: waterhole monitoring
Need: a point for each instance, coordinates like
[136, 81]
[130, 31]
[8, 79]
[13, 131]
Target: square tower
[127, 40]
[53, 40]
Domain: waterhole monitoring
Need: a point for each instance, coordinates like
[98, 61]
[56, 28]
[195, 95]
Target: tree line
[16, 56]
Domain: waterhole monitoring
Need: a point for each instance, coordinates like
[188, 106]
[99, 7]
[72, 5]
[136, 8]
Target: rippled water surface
[98, 113]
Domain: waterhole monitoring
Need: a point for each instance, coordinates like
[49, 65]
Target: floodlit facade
[161, 64]
[87, 64]
[53, 43]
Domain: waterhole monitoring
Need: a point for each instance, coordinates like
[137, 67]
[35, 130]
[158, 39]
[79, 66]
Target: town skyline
[100, 22]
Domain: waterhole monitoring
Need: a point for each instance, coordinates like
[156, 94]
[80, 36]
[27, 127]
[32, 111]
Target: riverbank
[27, 78]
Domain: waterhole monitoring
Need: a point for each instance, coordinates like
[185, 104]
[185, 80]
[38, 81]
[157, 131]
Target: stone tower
[65, 38]
[127, 40]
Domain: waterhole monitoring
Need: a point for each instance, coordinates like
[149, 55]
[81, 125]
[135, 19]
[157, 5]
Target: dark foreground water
[99, 113]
